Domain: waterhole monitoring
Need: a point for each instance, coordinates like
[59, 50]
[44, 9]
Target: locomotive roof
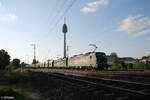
[86, 54]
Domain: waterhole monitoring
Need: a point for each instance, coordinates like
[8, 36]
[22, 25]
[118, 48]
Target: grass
[11, 84]
[37, 85]
[11, 92]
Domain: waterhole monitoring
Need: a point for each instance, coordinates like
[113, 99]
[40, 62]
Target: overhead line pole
[34, 52]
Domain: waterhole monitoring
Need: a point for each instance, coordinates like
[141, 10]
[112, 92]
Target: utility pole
[34, 52]
[64, 30]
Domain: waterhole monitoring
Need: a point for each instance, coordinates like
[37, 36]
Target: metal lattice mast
[34, 52]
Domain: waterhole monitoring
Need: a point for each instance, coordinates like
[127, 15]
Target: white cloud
[98, 3]
[87, 9]
[5, 16]
[12, 17]
[144, 32]
[93, 6]
[0, 4]
[8, 18]
[135, 25]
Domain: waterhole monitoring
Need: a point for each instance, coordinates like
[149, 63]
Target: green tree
[144, 57]
[147, 64]
[113, 54]
[115, 58]
[130, 66]
[16, 62]
[115, 64]
[123, 65]
[139, 65]
[4, 59]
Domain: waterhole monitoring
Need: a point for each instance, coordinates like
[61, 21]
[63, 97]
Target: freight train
[90, 60]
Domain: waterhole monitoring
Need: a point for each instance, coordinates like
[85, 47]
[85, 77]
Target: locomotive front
[101, 60]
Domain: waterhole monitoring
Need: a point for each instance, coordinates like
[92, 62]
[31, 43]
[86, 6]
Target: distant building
[145, 59]
[148, 59]
[110, 60]
[127, 60]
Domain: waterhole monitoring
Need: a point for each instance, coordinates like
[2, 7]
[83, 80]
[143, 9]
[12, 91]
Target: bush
[123, 65]
[4, 59]
[147, 65]
[16, 78]
[130, 66]
[13, 79]
[7, 91]
[16, 62]
[116, 67]
[139, 66]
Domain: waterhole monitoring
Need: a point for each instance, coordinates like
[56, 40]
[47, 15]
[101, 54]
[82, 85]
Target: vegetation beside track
[95, 72]
[11, 85]
[28, 85]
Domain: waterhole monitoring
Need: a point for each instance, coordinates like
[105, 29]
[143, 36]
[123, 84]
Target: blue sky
[121, 26]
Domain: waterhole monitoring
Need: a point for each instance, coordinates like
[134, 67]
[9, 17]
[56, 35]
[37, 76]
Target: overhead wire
[52, 9]
[58, 11]
[63, 15]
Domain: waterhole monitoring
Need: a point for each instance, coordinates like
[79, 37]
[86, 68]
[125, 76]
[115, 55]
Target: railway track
[116, 89]
[131, 78]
